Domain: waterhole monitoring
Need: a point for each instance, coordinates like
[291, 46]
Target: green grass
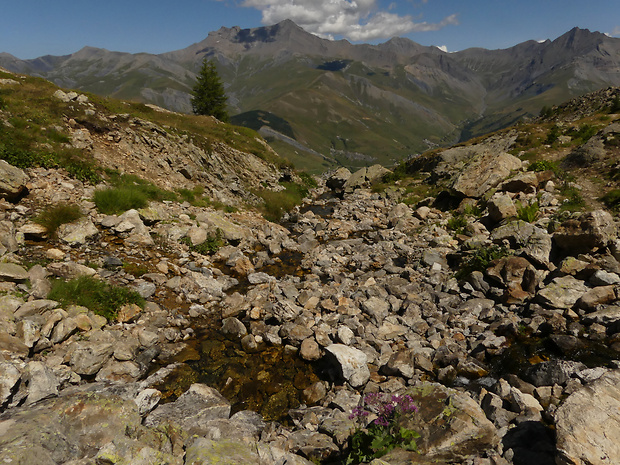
[528, 212]
[54, 216]
[277, 203]
[457, 224]
[612, 199]
[128, 192]
[101, 298]
[209, 246]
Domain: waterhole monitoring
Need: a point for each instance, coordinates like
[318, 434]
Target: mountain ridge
[384, 100]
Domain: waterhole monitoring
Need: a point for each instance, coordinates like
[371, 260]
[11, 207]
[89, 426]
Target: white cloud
[356, 20]
[616, 31]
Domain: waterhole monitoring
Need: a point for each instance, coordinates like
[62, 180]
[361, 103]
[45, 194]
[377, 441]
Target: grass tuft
[55, 216]
[101, 298]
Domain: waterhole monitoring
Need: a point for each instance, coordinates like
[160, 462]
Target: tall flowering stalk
[377, 432]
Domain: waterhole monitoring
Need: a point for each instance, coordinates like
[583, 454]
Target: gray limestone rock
[350, 363]
[193, 410]
[588, 424]
[77, 233]
[12, 181]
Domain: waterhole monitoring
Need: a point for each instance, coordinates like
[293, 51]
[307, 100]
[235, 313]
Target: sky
[33, 28]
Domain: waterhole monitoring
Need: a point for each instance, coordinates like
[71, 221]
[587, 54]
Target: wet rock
[309, 349]
[350, 363]
[234, 328]
[587, 424]
[553, 372]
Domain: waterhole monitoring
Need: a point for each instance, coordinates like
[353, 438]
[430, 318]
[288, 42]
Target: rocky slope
[503, 331]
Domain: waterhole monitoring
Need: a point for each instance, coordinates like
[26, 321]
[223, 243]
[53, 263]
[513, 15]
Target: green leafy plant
[457, 224]
[480, 258]
[53, 217]
[98, 296]
[528, 212]
[209, 246]
[376, 438]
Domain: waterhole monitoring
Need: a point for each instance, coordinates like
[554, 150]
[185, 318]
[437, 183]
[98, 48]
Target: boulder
[526, 239]
[364, 177]
[349, 363]
[192, 411]
[484, 172]
[501, 207]
[562, 292]
[588, 424]
[71, 427]
[591, 230]
[12, 181]
[78, 232]
[338, 178]
[12, 272]
[452, 426]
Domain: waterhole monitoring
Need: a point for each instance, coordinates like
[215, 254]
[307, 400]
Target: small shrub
[55, 216]
[543, 165]
[553, 135]
[135, 269]
[99, 297]
[374, 440]
[307, 179]
[584, 133]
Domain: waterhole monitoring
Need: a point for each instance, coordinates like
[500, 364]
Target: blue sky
[32, 28]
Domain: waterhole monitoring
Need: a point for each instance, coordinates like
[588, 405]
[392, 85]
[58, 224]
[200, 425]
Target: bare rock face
[588, 424]
[12, 181]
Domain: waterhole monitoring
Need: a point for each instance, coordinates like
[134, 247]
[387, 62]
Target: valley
[174, 292]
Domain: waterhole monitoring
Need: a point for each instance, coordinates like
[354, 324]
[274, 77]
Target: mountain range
[325, 103]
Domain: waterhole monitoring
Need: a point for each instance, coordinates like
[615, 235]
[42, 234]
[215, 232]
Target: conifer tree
[208, 96]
